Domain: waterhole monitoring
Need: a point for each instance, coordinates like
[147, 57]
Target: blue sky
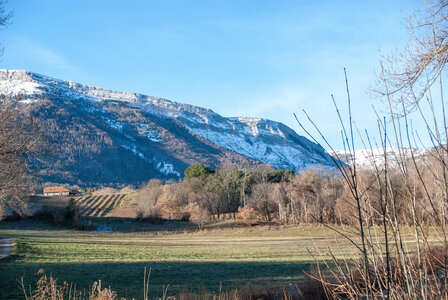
[240, 58]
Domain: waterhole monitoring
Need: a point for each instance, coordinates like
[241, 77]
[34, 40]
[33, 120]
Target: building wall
[57, 194]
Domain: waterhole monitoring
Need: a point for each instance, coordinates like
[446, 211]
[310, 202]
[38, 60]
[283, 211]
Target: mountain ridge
[128, 116]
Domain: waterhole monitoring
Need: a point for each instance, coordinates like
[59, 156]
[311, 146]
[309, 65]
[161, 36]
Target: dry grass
[48, 288]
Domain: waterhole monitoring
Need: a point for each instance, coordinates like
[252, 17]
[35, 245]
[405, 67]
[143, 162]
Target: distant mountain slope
[103, 137]
[368, 158]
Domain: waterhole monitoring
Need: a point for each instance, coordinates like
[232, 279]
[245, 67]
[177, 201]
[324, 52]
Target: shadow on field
[127, 225]
[100, 224]
[127, 278]
[120, 225]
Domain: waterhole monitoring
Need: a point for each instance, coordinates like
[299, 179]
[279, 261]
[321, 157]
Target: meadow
[182, 259]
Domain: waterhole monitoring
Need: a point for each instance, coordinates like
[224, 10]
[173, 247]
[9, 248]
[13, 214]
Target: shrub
[48, 288]
[68, 217]
[198, 214]
[248, 215]
[150, 215]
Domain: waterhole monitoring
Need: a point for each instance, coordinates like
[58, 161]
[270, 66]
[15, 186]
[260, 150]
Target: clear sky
[238, 57]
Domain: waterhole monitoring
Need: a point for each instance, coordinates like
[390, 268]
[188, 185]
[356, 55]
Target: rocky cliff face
[103, 137]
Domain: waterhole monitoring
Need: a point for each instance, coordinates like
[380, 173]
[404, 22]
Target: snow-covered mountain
[146, 131]
[368, 158]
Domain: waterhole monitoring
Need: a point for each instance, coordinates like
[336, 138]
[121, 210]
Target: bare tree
[20, 144]
[4, 19]
[262, 200]
[408, 75]
[173, 200]
[400, 191]
[147, 198]
[198, 214]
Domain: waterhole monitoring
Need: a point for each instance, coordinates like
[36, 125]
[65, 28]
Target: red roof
[55, 189]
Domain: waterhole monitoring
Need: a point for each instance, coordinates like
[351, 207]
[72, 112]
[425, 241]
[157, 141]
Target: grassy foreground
[195, 260]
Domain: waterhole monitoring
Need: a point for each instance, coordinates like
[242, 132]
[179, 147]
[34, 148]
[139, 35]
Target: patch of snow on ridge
[281, 156]
[114, 124]
[28, 101]
[367, 158]
[31, 82]
[204, 117]
[18, 87]
[167, 169]
[134, 150]
[151, 134]
[257, 126]
[163, 167]
[281, 133]
[252, 123]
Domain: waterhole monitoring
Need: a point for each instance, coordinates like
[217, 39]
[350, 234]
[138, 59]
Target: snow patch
[163, 167]
[283, 155]
[368, 158]
[27, 101]
[114, 124]
[134, 150]
[151, 134]
[281, 133]
[15, 88]
[167, 169]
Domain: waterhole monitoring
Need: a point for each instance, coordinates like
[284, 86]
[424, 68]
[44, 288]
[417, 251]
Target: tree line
[262, 194]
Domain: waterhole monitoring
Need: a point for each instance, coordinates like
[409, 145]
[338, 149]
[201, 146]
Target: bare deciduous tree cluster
[20, 144]
[400, 249]
[313, 196]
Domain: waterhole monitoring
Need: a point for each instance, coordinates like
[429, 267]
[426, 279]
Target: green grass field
[231, 257]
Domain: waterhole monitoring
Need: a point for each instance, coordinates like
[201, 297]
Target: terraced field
[99, 205]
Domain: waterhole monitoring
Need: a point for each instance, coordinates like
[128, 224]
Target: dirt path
[5, 246]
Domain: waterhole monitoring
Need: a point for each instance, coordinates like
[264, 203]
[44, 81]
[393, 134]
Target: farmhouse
[56, 191]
